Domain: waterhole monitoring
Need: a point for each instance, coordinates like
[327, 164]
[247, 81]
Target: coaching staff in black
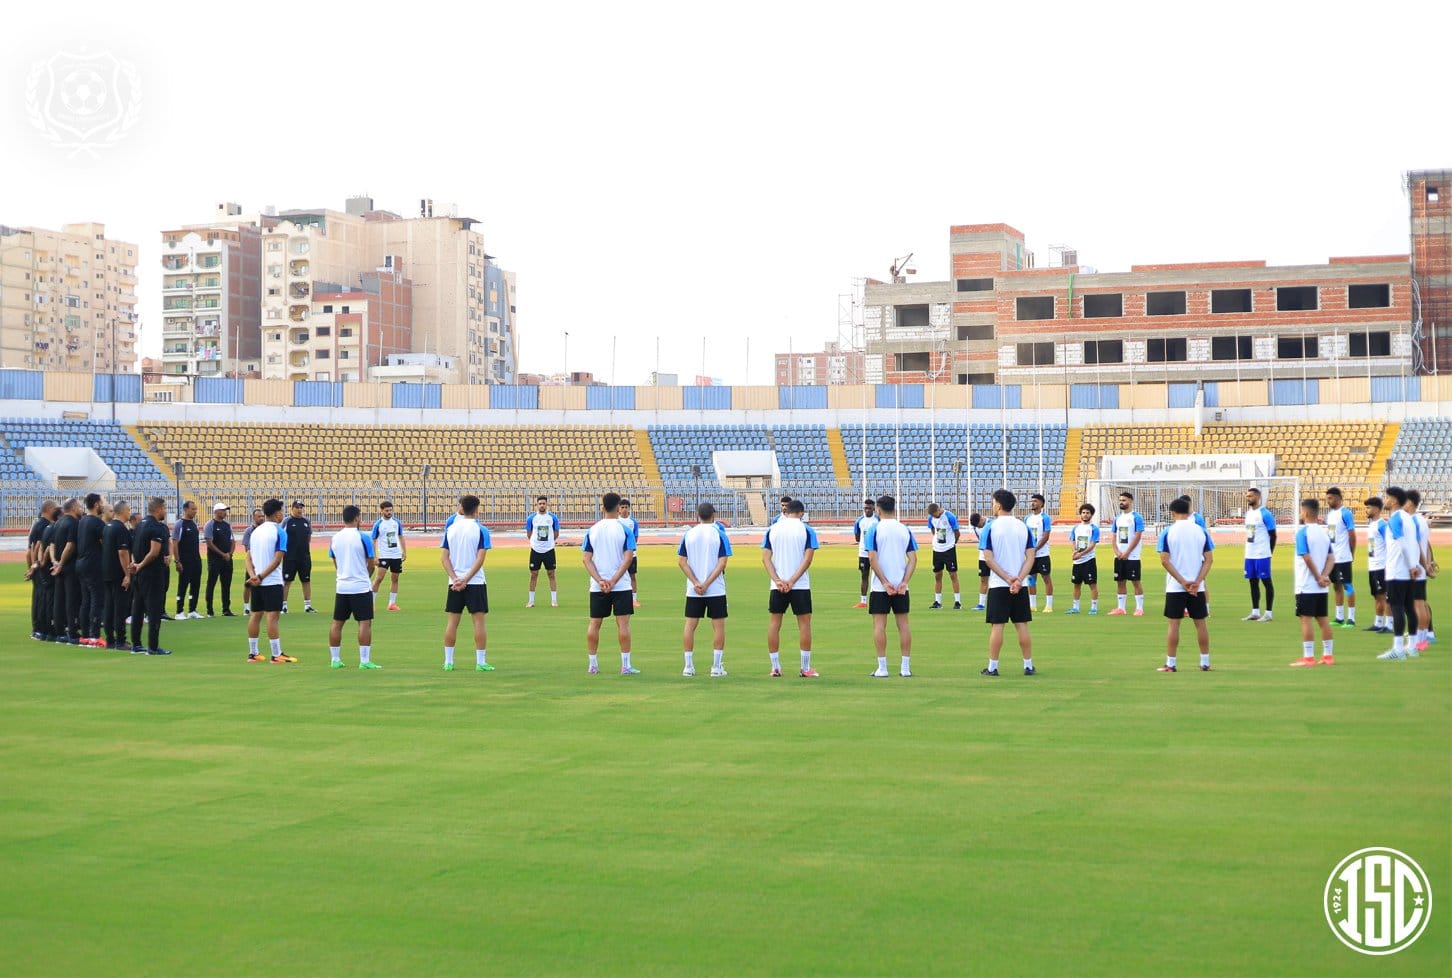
[37, 572]
[298, 562]
[116, 575]
[186, 552]
[150, 577]
[66, 606]
[88, 568]
[220, 545]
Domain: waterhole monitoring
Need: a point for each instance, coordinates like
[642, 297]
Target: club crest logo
[83, 103]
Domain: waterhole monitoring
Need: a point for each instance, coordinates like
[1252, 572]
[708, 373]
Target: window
[1231, 348]
[1108, 306]
[1376, 344]
[275, 337]
[975, 333]
[914, 361]
[1164, 304]
[323, 331]
[1035, 354]
[323, 375]
[980, 379]
[345, 354]
[975, 285]
[274, 245]
[911, 316]
[1368, 296]
[1170, 350]
[345, 333]
[1295, 298]
[1035, 307]
[345, 310]
[1296, 347]
[1104, 351]
[323, 355]
[1433, 195]
[328, 307]
[1230, 300]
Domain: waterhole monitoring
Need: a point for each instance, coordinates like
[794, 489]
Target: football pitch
[199, 815]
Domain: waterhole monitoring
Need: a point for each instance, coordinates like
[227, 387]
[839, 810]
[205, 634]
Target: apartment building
[349, 330]
[211, 297]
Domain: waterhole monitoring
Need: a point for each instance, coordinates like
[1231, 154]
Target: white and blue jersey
[1082, 538]
[1187, 544]
[1126, 525]
[892, 541]
[1339, 527]
[789, 540]
[1007, 538]
[1259, 524]
[1404, 546]
[543, 530]
[608, 541]
[702, 546]
[351, 551]
[1315, 541]
[1199, 521]
[464, 537]
[1039, 525]
[268, 540]
[1376, 544]
[944, 530]
[388, 539]
[859, 532]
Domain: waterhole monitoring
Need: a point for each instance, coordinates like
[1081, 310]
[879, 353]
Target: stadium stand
[111, 441]
[1422, 457]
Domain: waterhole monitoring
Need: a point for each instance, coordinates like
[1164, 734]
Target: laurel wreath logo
[38, 116]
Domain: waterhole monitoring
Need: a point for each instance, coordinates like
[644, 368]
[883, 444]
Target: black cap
[297, 502]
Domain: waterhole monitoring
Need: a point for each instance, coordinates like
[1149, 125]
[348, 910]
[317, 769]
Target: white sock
[276, 645]
[1170, 661]
[775, 659]
[1139, 602]
[1094, 605]
[336, 652]
[625, 660]
[1308, 650]
[1122, 599]
[1326, 646]
[1255, 612]
[1351, 615]
[246, 609]
[690, 660]
[716, 655]
[364, 651]
[393, 597]
[252, 646]
[957, 598]
[1028, 663]
[1378, 621]
[481, 656]
[882, 663]
[1338, 612]
[864, 599]
[448, 655]
[531, 597]
[992, 665]
[1205, 659]
[806, 659]
[554, 597]
[1049, 602]
[594, 661]
[307, 602]
[905, 666]
[1074, 606]
[938, 598]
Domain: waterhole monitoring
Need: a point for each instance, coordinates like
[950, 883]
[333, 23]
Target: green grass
[198, 815]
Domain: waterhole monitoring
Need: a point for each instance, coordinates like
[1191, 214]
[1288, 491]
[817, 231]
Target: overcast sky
[679, 171]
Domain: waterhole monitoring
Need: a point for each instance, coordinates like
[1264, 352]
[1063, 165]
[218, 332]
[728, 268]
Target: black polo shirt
[187, 538]
[116, 539]
[37, 531]
[47, 537]
[65, 531]
[150, 530]
[88, 545]
[299, 530]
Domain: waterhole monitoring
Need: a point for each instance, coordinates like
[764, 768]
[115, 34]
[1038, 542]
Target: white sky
[685, 170]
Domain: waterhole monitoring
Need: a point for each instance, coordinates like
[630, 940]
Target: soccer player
[634, 525]
[1341, 528]
[943, 526]
[116, 575]
[150, 577]
[785, 501]
[66, 606]
[894, 556]
[353, 560]
[1128, 536]
[1041, 527]
[1199, 520]
[979, 525]
[187, 556]
[1260, 543]
[266, 551]
[1186, 553]
[298, 563]
[702, 557]
[1315, 563]
[1424, 634]
[1009, 551]
[1084, 539]
[865, 522]
[257, 520]
[391, 551]
[786, 553]
[543, 529]
[42, 602]
[462, 553]
[89, 534]
[1376, 562]
[1403, 567]
[220, 546]
[608, 551]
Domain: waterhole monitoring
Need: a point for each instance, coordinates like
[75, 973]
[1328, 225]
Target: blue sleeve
[1200, 522]
[1138, 523]
[952, 522]
[444, 543]
[681, 550]
[1209, 543]
[485, 543]
[586, 545]
[726, 550]
[449, 522]
[1031, 541]
[376, 525]
[1162, 545]
[556, 520]
[367, 547]
[1301, 547]
[766, 540]
[983, 541]
[1395, 525]
[812, 539]
[330, 552]
[529, 525]
[1268, 518]
[1095, 535]
[281, 538]
[857, 528]
[912, 543]
[629, 540]
[869, 543]
[635, 526]
[1346, 519]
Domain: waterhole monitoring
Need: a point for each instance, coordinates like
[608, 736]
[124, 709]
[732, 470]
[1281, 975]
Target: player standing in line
[1128, 537]
[1199, 520]
[89, 534]
[543, 529]
[149, 578]
[186, 554]
[943, 526]
[1008, 548]
[979, 525]
[785, 501]
[462, 552]
[266, 550]
[353, 560]
[1403, 567]
[1084, 539]
[865, 522]
[1260, 543]
[786, 553]
[1376, 563]
[703, 554]
[1315, 563]
[391, 550]
[116, 573]
[608, 551]
[1341, 528]
[894, 556]
[633, 525]
[1041, 527]
[38, 574]
[1186, 553]
[1424, 636]
[257, 520]
[66, 587]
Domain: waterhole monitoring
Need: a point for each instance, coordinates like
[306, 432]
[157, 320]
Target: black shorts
[713, 607]
[1126, 570]
[864, 565]
[300, 568]
[1179, 602]
[545, 560]
[1043, 566]
[983, 568]
[267, 597]
[634, 566]
[473, 599]
[1341, 573]
[603, 604]
[1004, 607]
[394, 564]
[1085, 573]
[1376, 581]
[881, 603]
[1399, 593]
[945, 560]
[799, 600]
[1418, 589]
[356, 606]
[1311, 605]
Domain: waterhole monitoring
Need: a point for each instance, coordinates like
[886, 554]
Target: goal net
[1218, 500]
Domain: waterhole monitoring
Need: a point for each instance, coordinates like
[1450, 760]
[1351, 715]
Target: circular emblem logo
[1378, 900]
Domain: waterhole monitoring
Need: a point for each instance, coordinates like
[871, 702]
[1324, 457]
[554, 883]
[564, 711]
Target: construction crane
[900, 270]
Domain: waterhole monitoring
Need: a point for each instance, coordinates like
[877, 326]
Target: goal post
[1220, 501]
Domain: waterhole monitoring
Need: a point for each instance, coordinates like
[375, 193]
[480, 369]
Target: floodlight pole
[425, 499]
[178, 466]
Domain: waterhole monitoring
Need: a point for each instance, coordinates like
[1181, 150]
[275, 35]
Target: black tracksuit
[41, 602]
[66, 602]
[151, 582]
[220, 568]
[189, 564]
[88, 573]
[116, 540]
